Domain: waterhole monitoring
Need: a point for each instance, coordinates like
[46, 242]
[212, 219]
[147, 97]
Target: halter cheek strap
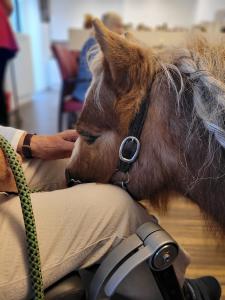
[130, 146]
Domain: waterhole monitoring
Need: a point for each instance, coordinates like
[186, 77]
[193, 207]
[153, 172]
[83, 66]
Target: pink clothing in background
[7, 39]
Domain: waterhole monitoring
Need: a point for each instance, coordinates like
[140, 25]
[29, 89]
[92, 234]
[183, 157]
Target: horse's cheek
[75, 154]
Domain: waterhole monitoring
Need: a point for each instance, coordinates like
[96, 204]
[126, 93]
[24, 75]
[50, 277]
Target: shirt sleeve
[12, 135]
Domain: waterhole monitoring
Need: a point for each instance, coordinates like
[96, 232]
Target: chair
[148, 254]
[67, 61]
[140, 267]
[68, 288]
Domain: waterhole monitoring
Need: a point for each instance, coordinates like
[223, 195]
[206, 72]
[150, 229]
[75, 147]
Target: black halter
[130, 146]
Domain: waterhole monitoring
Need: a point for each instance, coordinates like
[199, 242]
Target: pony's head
[122, 72]
[183, 135]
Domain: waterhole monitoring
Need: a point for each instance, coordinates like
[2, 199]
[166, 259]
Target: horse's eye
[90, 139]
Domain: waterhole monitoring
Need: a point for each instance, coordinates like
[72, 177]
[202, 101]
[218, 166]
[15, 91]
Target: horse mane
[212, 54]
[201, 66]
[197, 73]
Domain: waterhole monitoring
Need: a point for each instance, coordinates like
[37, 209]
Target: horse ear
[119, 52]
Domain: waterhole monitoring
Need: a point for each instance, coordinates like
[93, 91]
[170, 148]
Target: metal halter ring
[73, 182]
[136, 152]
[123, 183]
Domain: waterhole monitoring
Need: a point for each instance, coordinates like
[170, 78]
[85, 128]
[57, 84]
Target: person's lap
[76, 227]
[46, 175]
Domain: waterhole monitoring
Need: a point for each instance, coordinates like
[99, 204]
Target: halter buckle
[135, 143]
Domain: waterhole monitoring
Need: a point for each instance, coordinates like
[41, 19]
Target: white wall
[70, 13]
[21, 68]
[39, 35]
[67, 14]
[155, 12]
[206, 9]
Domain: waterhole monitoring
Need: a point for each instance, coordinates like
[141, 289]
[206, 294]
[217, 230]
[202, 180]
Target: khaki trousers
[76, 227]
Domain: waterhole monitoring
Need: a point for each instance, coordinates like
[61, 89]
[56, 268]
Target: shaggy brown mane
[211, 53]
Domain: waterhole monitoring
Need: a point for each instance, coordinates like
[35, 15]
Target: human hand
[48, 147]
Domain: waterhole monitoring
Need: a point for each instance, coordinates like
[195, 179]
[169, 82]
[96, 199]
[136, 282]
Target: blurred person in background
[114, 22]
[8, 49]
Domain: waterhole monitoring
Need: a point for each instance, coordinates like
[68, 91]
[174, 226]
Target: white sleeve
[12, 135]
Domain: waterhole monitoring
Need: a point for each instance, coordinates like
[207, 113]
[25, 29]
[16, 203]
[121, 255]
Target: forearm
[38, 145]
[8, 6]
[49, 147]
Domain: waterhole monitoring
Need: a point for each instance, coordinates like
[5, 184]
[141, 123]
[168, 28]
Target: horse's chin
[73, 180]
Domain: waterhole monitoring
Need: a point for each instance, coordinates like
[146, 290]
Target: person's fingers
[68, 146]
[69, 135]
[61, 149]
[65, 148]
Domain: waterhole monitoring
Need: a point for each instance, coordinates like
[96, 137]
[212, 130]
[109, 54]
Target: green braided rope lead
[30, 228]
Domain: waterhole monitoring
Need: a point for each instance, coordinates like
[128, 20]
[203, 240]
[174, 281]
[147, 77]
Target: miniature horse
[182, 137]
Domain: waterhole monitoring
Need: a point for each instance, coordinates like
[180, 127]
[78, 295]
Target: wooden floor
[184, 222]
